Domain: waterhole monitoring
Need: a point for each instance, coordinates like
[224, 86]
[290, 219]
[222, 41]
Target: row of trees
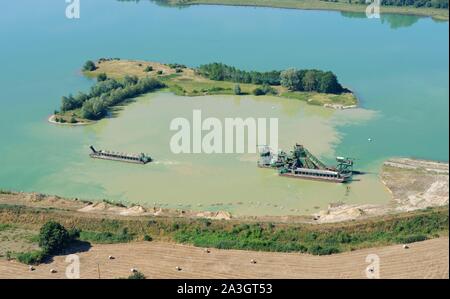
[293, 79]
[223, 72]
[108, 93]
[415, 3]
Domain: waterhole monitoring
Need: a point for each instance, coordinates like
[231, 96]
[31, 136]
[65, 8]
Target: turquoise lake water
[398, 66]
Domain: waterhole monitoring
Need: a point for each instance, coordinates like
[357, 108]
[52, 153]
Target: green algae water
[397, 65]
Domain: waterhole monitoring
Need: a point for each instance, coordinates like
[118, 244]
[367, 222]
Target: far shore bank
[434, 13]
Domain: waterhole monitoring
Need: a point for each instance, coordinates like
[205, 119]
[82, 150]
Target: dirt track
[428, 259]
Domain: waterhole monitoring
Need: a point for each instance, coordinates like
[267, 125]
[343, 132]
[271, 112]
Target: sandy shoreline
[51, 119]
[418, 185]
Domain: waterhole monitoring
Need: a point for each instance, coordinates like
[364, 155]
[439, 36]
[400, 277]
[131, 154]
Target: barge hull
[116, 159]
[314, 178]
[266, 166]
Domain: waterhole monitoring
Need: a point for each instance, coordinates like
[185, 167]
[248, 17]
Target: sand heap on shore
[136, 210]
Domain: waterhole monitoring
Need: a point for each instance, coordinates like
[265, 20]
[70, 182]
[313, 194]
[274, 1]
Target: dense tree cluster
[108, 93]
[53, 237]
[223, 72]
[295, 80]
[310, 80]
[417, 3]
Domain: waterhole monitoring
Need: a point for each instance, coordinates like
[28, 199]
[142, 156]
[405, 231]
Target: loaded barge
[300, 163]
[130, 158]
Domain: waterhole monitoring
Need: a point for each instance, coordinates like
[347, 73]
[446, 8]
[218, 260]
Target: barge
[122, 157]
[300, 163]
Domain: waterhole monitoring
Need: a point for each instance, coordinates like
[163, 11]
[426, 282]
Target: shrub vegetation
[89, 66]
[53, 238]
[136, 275]
[106, 237]
[106, 94]
[314, 240]
[32, 257]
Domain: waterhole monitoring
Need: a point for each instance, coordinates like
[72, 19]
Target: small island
[119, 81]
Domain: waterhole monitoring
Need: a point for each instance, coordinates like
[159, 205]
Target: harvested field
[428, 259]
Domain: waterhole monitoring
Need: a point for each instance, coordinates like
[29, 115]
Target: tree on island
[290, 79]
[89, 66]
[102, 77]
[310, 80]
[94, 108]
[329, 84]
[104, 94]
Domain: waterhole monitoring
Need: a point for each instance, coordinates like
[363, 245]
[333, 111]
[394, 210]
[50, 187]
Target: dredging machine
[300, 163]
[123, 157]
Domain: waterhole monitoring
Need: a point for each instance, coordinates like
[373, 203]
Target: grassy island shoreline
[119, 81]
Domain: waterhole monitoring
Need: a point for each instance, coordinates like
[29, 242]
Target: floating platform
[300, 163]
[121, 157]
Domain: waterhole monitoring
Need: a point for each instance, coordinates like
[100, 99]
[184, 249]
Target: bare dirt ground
[417, 184]
[159, 260]
[414, 184]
